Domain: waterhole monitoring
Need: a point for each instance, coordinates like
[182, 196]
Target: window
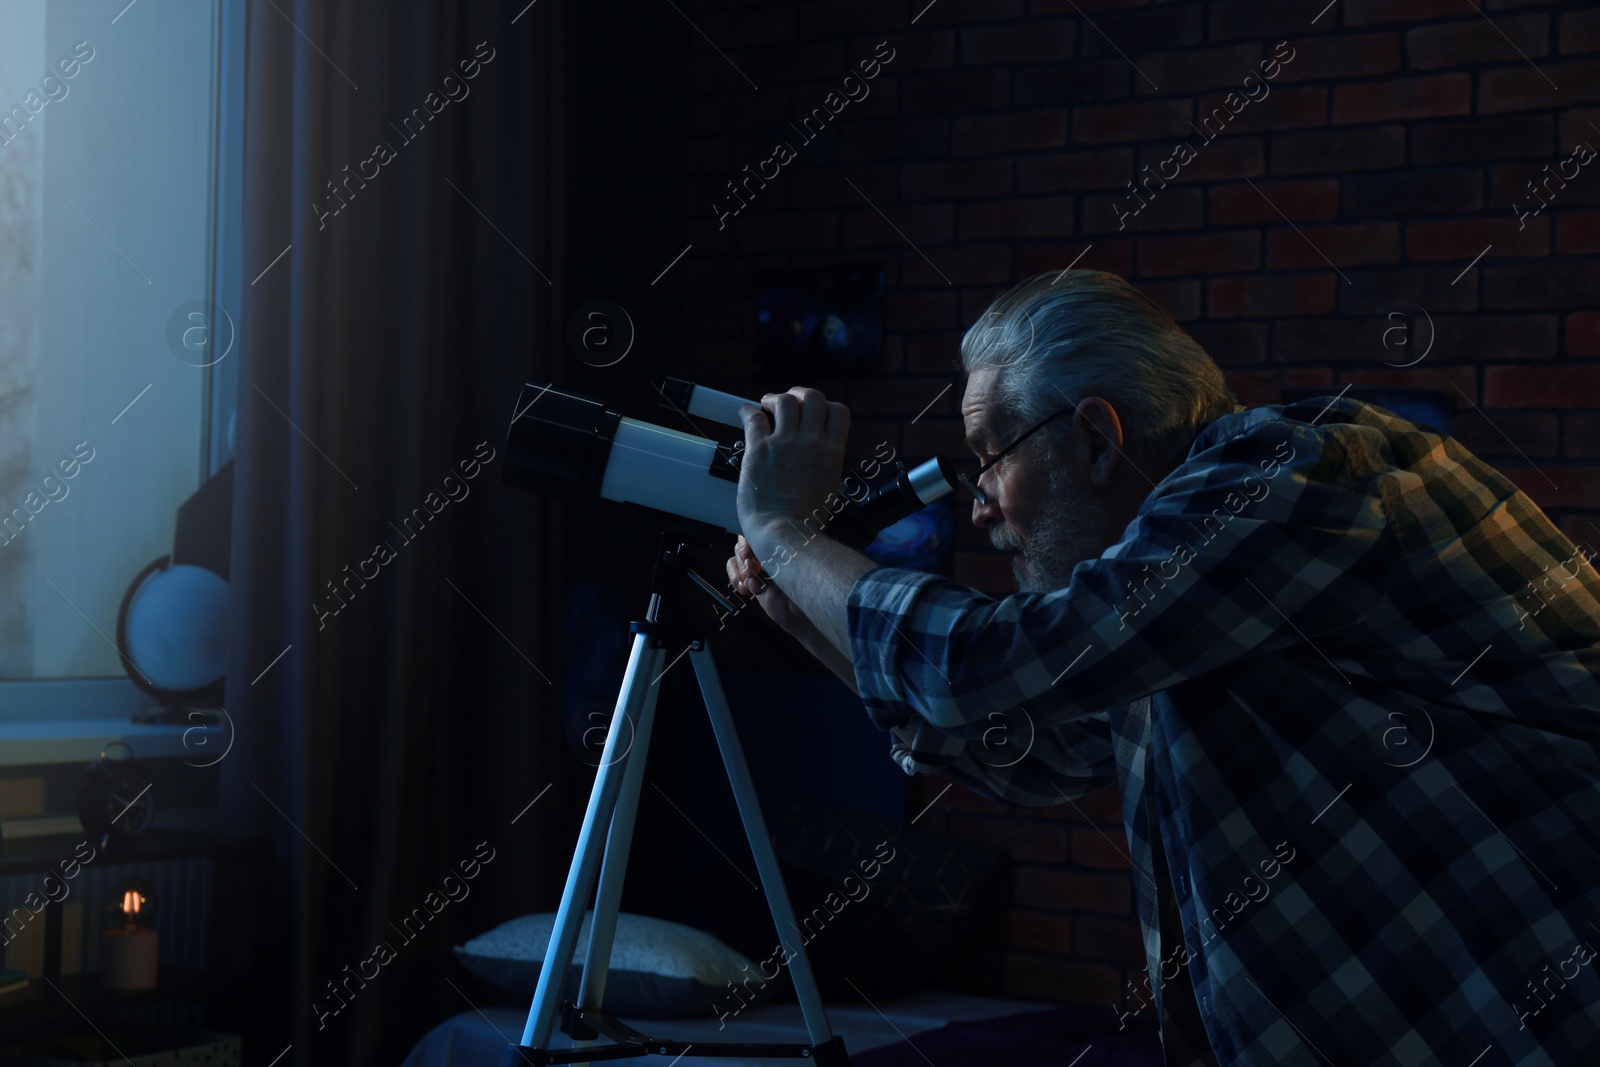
[115, 386]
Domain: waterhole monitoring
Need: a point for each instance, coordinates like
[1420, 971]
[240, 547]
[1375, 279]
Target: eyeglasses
[970, 481]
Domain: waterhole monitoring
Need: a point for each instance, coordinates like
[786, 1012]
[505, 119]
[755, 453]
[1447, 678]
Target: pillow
[658, 969]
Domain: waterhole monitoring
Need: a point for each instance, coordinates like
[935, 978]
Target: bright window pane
[107, 165]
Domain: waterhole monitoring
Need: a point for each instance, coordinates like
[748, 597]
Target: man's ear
[1099, 423]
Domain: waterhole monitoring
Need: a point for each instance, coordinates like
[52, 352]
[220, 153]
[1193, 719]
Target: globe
[177, 630]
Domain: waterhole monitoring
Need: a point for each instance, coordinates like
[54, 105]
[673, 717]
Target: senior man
[1346, 675]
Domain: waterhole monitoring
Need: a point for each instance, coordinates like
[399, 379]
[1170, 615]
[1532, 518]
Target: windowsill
[80, 740]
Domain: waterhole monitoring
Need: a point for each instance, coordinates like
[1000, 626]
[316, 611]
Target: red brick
[1578, 124]
[1224, 157]
[1105, 848]
[1073, 7]
[1582, 437]
[1060, 172]
[1583, 334]
[1434, 242]
[1403, 98]
[1168, 209]
[1366, 12]
[1341, 150]
[1497, 338]
[1445, 379]
[933, 354]
[1235, 19]
[955, 91]
[957, 798]
[1257, 387]
[1197, 68]
[1014, 131]
[1347, 55]
[1181, 298]
[1041, 216]
[1044, 887]
[1541, 285]
[1110, 940]
[1435, 288]
[1580, 32]
[1047, 978]
[1155, 27]
[919, 311]
[1027, 840]
[828, 188]
[926, 50]
[1030, 41]
[1300, 201]
[1041, 931]
[1507, 434]
[756, 231]
[1284, 109]
[1565, 487]
[1474, 41]
[1202, 253]
[829, 18]
[1536, 386]
[956, 180]
[1402, 193]
[1581, 528]
[1265, 297]
[1475, 140]
[960, 265]
[1523, 88]
[921, 223]
[1102, 806]
[1509, 189]
[1130, 122]
[899, 139]
[883, 396]
[1072, 83]
[1578, 232]
[1230, 343]
[1354, 245]
[1331, 340]
[1113, 256]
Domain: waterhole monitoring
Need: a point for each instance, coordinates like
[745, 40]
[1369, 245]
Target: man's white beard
[1070, 526]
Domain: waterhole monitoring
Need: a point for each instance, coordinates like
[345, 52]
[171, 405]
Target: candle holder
[129, 945]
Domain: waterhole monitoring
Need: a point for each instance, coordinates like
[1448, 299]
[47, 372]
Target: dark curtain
[412, 715]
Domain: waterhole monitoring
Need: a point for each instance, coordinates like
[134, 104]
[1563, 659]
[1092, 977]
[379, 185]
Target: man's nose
[986, 515]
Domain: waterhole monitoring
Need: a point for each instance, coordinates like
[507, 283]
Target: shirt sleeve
[1260, 541]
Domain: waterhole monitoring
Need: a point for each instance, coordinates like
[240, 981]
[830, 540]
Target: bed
[915, 1029]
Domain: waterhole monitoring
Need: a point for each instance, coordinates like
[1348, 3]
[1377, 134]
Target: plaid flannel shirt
[1347, 677]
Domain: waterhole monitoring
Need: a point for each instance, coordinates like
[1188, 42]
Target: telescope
[565, 444]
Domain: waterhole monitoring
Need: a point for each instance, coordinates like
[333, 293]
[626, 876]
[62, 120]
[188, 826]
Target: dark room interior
[360, 581]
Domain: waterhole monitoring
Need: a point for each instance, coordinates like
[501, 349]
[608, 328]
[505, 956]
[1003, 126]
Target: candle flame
[131, 900]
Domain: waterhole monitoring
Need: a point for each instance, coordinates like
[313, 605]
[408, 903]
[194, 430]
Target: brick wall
[1381, 154]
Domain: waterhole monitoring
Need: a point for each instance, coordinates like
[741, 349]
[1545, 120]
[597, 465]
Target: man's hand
[793, 463]
[748, 579]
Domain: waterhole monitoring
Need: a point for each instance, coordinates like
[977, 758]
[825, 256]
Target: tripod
[613, 803]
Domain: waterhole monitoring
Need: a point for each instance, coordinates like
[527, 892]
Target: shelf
[80, 740]
[40, 1008]
[28, 854]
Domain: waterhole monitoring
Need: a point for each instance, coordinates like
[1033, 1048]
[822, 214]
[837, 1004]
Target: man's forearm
[840, 664]
[817, 573]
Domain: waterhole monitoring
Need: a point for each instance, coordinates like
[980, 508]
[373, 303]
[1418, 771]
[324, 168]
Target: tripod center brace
[613, 803]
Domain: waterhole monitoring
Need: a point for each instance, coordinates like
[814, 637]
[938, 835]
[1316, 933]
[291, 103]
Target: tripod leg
[644, 663]
[614, 865]
[755, 828]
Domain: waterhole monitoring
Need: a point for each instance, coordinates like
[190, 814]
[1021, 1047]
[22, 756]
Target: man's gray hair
[1061, 336]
